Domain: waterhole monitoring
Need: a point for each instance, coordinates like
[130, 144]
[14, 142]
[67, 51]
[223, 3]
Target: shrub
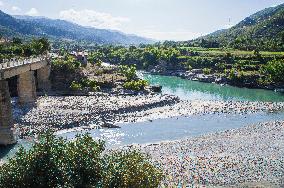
[56, 162]
[84, 161]
[90, 84]
[264, 81]
[86, 84]
[130, 169]
[233, 74]
[99, 63]
[128, 71]
[67, 64]
[135, 85]
[76, 86]
[275, 70]
[206, 71]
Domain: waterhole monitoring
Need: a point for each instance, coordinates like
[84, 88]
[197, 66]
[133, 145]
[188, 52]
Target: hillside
[263, 30]
[26, 26]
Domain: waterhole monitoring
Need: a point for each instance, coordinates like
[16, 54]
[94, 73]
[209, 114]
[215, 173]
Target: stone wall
[26, 88]
[6, 117]
[43, 81]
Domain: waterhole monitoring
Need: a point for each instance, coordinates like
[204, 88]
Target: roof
[79, 53]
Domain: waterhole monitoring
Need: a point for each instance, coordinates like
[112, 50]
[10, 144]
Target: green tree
[128, 71]
[275, 70]
[55, 162]
[17, 41]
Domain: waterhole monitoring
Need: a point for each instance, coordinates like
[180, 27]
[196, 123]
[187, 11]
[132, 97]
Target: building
[82, 57]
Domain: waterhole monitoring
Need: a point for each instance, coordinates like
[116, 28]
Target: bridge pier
[43, 81]
[26, 88]
[6, 117]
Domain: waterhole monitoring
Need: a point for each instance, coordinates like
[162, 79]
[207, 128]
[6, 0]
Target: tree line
[19, 48]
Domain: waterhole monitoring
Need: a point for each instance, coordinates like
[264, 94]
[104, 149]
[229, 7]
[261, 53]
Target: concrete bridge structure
[32, 75]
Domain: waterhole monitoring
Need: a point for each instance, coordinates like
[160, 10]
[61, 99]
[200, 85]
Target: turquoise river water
[192, 90]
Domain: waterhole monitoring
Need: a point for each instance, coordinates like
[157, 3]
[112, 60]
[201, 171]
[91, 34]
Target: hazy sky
[158, 19]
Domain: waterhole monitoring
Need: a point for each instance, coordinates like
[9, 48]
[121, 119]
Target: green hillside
[263, 30]
[26, 26]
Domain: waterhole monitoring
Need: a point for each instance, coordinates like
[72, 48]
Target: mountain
[263, 30]
[27, 26]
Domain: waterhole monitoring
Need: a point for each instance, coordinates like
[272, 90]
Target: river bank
[108, 110]
[251, 156]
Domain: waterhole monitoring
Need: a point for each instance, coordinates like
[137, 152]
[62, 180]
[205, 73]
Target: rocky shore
[252, 156]
[67, 112]
[107, 110]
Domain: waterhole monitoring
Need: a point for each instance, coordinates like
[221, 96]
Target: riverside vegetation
[84, 162]
[252, 69]
[71, 75]
[17, 48]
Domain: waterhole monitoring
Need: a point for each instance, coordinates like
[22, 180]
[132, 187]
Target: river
[182, 127]
[193, 90]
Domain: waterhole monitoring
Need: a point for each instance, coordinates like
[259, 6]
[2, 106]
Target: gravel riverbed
[106, 110]
[253, 155]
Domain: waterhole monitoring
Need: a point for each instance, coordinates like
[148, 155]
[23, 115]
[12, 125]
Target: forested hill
[24, 26]
[263, 30]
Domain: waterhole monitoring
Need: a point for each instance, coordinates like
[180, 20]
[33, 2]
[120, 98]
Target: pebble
[251, 154]
[67, 112]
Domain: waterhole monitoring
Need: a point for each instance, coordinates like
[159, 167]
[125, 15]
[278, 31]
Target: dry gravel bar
[69, 112]
[250, 155]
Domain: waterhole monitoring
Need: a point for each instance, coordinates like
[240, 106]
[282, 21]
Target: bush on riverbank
[75, 86]
[69, 63]
[275, 70]
[65, 73]
[136, 85]
[218, 63]
[85, 84]
[55, 162]
[128, 71]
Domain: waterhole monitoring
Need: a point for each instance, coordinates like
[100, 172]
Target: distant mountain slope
[60, 29]
[263, 30]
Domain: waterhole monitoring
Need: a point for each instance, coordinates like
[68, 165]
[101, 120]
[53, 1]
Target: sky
[156, 19]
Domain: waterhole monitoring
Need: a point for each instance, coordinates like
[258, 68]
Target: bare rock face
[6, 118]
